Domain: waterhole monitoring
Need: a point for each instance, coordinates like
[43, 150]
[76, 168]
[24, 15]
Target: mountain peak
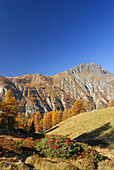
[91, 68]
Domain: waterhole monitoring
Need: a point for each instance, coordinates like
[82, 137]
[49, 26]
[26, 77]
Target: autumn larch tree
[22, 121]
[111, 103]
[9, 109]
[41, 125]
[65, 115]
[76, 109]
[37, 119]
[47, 121]
[59, 116]
[54, 118]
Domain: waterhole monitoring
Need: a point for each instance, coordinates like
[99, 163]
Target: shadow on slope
[95, 137]
[20, 133]
[47, 131]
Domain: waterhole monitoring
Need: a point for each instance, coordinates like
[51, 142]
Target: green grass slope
[94, 128]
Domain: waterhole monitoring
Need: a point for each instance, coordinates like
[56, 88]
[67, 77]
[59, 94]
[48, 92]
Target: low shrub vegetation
[11, 145]
[63, 147]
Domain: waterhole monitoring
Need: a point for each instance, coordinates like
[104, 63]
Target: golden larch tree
[9, 109]
[59, 116]
[47, 121]
[22, 121]
[37, 119]
[54, 118]
[111, 103]
[41, 125]
[65, 115]
[78, 107]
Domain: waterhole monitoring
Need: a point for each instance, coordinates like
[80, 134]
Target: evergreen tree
[32, 128]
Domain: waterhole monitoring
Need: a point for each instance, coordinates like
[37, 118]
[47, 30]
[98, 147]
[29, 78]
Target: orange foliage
[22, 121]
[76, 109]
[37, 119]
[9, 109]
[54, 118]
[111, 103]
[41, 125]
[59, 116]
[47, 121]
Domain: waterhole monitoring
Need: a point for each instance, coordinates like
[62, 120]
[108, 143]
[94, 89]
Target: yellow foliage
[37, 119]
[76, 109]
[9, 109]
[65, 115]
[47, 121]
[54, 118]
[22, 121]
[41, 125]
[111, 103]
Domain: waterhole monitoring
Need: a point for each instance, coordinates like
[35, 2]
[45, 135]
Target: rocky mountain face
[89, 82]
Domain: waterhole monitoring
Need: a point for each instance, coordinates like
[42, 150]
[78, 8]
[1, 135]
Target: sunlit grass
[100, 123]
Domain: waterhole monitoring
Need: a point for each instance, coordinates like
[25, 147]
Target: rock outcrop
[88, 82]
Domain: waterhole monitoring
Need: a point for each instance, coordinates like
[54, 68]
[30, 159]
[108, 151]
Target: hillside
[88, 82]
[94, 128]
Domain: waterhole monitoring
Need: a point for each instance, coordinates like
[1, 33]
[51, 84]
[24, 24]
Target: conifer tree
[9, 109]
[65, 115]
[54, 118]
[59, 116]
[76, 109]
[111, 103]
[32, 128]
[37, 119]
[49, 117]
[47, 121]
[41, 125]
[22, 121]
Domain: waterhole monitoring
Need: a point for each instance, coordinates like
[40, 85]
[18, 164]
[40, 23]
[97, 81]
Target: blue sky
[51, 36]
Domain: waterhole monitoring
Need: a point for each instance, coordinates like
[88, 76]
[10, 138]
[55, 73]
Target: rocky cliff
[88, 82]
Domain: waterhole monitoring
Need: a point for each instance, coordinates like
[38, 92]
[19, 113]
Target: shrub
[10, 145]
[59, 146]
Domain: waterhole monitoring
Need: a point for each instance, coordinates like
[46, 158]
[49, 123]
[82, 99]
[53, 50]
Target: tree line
[10, 117]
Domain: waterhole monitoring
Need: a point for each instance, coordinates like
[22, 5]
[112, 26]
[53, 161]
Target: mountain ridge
[88, 82]
[91, 63]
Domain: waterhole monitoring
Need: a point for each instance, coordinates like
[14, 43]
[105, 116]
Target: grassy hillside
[94, 128]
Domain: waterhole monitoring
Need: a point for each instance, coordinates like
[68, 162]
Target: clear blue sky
[51, 36]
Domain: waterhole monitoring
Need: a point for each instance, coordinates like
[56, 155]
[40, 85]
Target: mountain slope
[96, 126]
[88, 82]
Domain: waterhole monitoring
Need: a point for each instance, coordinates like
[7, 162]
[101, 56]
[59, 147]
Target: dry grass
[100, 121]
[95, 128]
